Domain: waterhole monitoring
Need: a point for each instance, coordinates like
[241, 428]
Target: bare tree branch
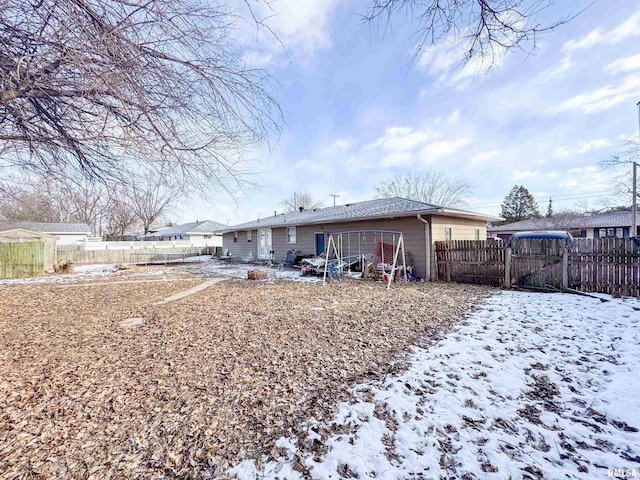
[300, 200]
[488, 28]
[429, 186]
[103, 86]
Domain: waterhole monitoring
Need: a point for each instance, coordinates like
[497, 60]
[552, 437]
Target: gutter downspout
[427, 246]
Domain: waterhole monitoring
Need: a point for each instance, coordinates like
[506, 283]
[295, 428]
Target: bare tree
[120, 217]
[102, 86]
[488, 28]
[300, 200]
[150, 196]
[21, 202]
[429, 186]
[622, 185]
[53, 199]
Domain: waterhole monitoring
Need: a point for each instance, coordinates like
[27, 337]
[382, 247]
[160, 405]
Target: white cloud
[300, 26]
[584, 147]
[627, 64]
[408, 146]
[628, 28]
[603, 98]
[518, 175]
[444, 61]
[482, 157]
[402, 139]
[444, 148]
[564, 65]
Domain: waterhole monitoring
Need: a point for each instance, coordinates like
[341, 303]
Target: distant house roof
[618, 218]
[371, 209]
[21, 233]
[204, 227]
[51, 228]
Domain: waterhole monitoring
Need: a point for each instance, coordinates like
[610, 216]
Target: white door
[264, 244]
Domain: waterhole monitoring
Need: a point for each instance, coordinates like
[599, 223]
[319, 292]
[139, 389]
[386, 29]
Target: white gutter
[427, 245]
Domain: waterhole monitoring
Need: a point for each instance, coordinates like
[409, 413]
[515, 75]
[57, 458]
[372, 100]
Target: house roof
[21, 232]
[618, 218]
[204, 227]
[51, 228]
[371, 209]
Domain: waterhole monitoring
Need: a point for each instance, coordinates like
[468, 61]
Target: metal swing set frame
[336, 250]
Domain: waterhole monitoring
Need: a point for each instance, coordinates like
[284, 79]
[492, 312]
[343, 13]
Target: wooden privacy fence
[471, 261]
[610, 265]
[19, 260]
[538, 263]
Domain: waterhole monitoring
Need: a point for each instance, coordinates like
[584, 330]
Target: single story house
[307, 231]
[65, 233]
[613, 224]
[206, 231]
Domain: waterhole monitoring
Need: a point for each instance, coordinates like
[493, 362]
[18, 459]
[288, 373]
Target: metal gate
[539, 263]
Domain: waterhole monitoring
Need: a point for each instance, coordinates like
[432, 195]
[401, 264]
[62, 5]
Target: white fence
[140, 245]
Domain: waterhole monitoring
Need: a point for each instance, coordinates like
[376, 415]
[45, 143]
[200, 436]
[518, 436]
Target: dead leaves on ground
[205, 382]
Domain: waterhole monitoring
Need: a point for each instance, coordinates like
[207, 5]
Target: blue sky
[358, 110]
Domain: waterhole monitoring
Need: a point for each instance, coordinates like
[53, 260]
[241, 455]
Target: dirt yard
[205, 382]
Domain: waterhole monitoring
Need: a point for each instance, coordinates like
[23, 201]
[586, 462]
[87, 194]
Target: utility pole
[334, 198]
[634, 201]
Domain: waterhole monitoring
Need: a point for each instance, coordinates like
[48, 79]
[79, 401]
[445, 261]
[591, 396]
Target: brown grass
[206, 382]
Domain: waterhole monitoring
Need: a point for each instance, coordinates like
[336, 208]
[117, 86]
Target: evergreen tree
[519, 205]
[550, 209]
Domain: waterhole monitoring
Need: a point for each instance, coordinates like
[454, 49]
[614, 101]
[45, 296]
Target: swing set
[349, 250]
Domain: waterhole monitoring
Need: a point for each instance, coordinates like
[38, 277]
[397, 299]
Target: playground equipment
[350, 249]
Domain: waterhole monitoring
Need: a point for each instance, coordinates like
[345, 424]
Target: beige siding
[243, 248]
[413, 231]
[461, 228]
[411, 227]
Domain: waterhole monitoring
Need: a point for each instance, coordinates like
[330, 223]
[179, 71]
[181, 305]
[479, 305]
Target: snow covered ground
[203, 266]
[217, 268]
[529, 386]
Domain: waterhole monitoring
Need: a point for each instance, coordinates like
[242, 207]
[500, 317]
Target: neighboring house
[204, 231]
[614, 224]
[307, 231]
[65, 233]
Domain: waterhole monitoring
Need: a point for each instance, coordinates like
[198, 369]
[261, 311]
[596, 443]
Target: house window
[611, 232]
[620, 232]
[291, 234]
[477, 235]
[235, 237]
[447, 233]
[207, 236]
[602, 232]
[583, 234]
[249, 236]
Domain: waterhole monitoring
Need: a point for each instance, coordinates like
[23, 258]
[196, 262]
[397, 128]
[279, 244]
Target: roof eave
[434, 211]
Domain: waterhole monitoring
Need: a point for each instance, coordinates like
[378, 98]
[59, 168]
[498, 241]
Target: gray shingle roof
[570, 222]
[206, 226]
[382, 208]
[42, 227]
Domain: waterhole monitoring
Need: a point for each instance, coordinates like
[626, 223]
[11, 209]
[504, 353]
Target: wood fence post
[565, 268]
[507, 268]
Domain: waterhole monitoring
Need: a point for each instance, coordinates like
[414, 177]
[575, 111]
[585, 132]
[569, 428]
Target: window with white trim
[235, 237]
[477, 234]
[291, 234]
[447, 233]
[249, 236]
